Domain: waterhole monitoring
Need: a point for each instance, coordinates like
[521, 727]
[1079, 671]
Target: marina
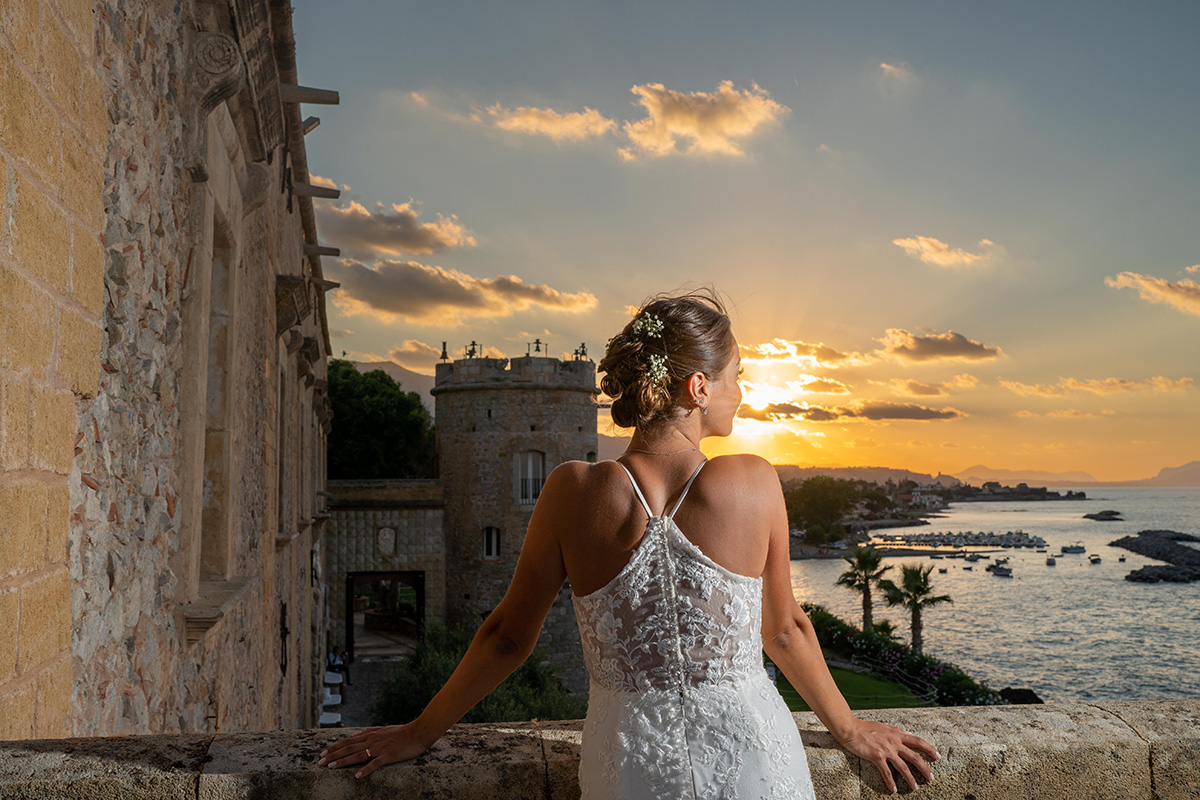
[1071, 630]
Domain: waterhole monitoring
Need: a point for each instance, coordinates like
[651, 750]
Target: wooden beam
[320, 250]
[325, 285]
[311, 190]
[291, 93]
[309, 125]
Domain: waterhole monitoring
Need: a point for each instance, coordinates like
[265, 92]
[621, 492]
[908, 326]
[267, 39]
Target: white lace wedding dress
[680, 705]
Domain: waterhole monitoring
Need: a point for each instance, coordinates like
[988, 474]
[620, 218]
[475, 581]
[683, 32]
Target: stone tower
[502, 425]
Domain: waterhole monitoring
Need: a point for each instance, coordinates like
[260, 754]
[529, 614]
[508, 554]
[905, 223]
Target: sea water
[1072, 632]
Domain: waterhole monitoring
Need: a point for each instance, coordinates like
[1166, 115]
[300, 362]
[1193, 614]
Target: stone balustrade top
[1130, 750]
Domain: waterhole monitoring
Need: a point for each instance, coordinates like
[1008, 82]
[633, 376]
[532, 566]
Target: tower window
[591, 456]
[491, 544]
[531, 472]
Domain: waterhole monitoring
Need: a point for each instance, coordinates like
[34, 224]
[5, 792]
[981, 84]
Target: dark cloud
[414, 354]
[906, 346]
[387, 231]
[422, 293]
[869, 410]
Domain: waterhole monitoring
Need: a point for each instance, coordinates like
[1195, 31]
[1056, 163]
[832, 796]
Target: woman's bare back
[724, 513]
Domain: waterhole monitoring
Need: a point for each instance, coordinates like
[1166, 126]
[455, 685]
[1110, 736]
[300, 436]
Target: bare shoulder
[574, 479]
[743, 465]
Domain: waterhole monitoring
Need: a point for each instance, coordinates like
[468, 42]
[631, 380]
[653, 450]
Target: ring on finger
[369, 753]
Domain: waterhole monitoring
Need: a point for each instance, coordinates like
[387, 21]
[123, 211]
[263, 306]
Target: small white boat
[1002, 571]
[1050, 561]
[1095, 559]
[1075, 547]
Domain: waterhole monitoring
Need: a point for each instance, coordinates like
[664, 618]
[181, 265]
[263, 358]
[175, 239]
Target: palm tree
[916, 595]
[863, 574]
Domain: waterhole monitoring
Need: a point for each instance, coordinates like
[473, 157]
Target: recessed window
[531, 473]
[591, 456]
[491, 544]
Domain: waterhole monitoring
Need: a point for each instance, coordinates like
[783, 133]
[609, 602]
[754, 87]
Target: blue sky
[915, 167]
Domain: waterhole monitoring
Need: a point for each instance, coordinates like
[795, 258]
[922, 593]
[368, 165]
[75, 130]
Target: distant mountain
[791, 472]
[979, 474]
[1187, 475]
[409, 381]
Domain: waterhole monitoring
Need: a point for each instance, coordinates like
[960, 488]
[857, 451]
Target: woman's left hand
[374, 748]
[888, 748]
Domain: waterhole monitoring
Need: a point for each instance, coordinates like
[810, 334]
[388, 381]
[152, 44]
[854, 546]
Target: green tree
[864, 574]
[379, 430]
[533, 691]
[820, 502]
[915, 594]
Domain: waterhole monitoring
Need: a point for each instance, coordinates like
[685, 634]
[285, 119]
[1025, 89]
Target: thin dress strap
[685, 489]
[637, 489]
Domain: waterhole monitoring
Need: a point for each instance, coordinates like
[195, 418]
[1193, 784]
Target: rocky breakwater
[1183, 562]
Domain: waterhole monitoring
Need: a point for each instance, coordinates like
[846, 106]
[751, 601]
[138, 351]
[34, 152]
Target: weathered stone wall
[1148, 750]
[164, 576]
[384, 526]
[52, 143]
[488, 412]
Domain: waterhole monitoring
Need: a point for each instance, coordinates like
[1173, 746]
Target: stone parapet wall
[1144, 750]
[53, 132]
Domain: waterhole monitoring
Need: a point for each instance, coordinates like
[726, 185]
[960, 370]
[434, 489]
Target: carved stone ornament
[387, 541]
[217, 69]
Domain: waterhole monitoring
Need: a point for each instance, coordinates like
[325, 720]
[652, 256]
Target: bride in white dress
[680, 577]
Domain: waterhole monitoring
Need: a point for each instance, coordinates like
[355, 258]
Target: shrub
[532, 691]
[931, 678]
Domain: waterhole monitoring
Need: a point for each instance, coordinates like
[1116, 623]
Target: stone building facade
[162, 355]
[502, 425]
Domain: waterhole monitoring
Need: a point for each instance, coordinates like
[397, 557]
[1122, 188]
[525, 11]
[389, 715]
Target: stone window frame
[491, 543]
[530, 474]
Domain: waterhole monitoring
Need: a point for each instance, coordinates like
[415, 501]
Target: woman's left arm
[502, 643]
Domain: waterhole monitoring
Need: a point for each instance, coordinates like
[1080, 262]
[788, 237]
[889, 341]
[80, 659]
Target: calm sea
[1070, 632]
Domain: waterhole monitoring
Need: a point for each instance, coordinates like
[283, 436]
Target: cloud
[934, 251]
[573, 126]
[867, 442]
[811, 383]
[414, 354]
[710, 122]
[877, 410]
[1064, 386]
[1193, 268]
[872, 410]
[906, 346]
[804, 354]
[919, 389]
[421, 293]
[901, 71]
[1182, 295]
[1066, 413]
[422, 101]
[340, 333]
[397, 231]
[317, 180]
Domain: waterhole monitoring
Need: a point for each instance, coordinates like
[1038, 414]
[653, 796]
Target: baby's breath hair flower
[656, 367]
[648, 325]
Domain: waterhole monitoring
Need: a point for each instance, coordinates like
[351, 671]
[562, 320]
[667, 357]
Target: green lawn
[860, 691]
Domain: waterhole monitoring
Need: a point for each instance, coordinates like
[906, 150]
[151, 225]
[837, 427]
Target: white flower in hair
[656, 367]
[648, 325]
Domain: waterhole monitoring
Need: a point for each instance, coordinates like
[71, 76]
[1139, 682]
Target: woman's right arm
[791, 643]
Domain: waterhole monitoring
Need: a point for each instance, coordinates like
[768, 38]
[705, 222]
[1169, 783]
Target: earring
[704, 410]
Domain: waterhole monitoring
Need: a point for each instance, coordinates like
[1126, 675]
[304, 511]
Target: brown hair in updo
[696, 337]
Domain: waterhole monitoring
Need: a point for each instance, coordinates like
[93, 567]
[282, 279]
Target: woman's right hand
[888, 747]
[375, 747]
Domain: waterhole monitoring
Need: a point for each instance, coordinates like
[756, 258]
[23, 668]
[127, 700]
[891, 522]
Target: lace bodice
[672, 617]
[679, 704]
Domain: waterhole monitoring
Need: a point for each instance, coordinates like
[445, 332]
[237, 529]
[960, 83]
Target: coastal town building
[502, 425]
[163, 343]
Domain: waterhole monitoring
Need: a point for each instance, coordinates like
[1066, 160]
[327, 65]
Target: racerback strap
[642, 497]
